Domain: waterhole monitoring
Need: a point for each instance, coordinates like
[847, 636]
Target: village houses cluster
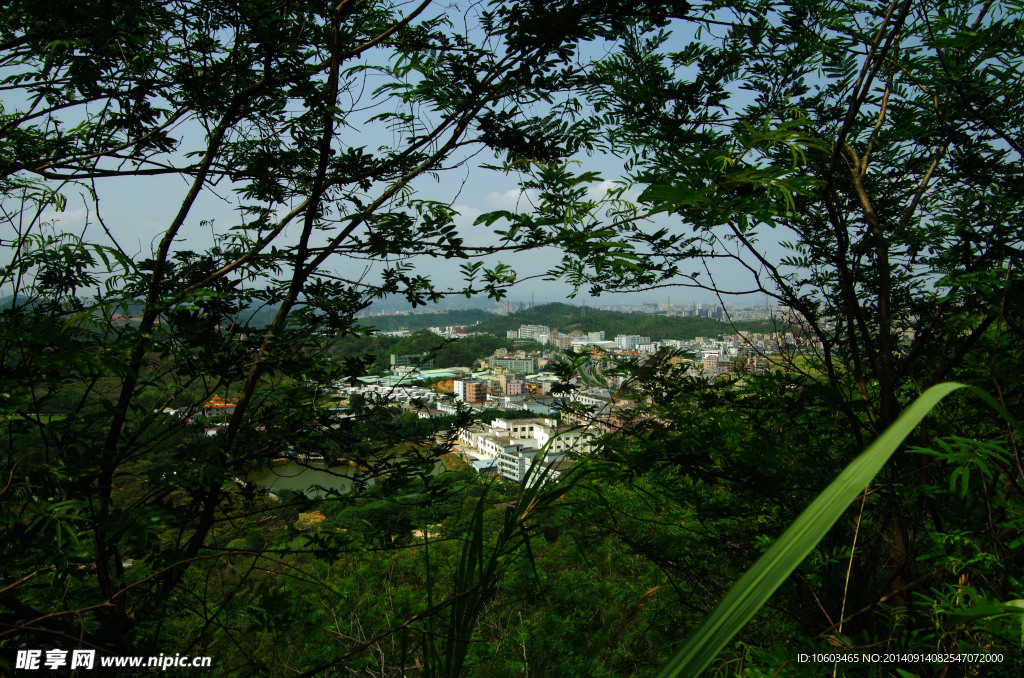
[564, 418]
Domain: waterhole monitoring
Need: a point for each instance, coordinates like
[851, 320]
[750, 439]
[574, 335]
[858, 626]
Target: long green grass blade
[766, 575]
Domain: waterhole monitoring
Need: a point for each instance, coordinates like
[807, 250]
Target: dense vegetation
[880, 142]
[566, 318]
[375, 350]
[422, 320]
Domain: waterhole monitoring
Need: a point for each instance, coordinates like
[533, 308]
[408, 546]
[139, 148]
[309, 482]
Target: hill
[566, 318]
[419, 321]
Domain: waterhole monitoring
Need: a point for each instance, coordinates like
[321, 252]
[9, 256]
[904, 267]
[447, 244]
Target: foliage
[445, 353]
[880, 141]
[566, 318]
[425, 319]
[119, 507]
[754, 589]
[875, 144]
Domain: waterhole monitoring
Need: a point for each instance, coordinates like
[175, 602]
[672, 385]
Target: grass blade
[766, 575]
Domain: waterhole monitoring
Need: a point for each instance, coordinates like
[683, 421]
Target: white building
[597, 397]
[515, 443]
[529, 331]
[630, 342]
[379, 393]
[529, 466]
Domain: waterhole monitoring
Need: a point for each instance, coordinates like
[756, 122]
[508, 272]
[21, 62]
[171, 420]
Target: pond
[314, 478]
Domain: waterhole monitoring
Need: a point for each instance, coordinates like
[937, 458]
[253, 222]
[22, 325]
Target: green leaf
[759, 583]
[988, 610]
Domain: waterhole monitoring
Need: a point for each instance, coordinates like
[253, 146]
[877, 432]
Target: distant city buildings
[452, 332]
[470, 390]
[512, 447]
[509, 374]
[382, 394]
[508, 380]
[531, 331]
[518, 365]
[711, 363]
[630, 342]
[419, 361]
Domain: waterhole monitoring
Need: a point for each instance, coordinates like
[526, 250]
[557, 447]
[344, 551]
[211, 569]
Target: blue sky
[138, 209]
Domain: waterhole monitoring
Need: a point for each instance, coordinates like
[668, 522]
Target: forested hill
[419, 321]
[567, 318]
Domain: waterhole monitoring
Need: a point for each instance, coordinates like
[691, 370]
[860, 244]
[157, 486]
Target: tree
[880, 144]
[267, 106]
[882, 138]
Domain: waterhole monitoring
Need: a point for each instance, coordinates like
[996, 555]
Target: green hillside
[418, 321]
[566, 318]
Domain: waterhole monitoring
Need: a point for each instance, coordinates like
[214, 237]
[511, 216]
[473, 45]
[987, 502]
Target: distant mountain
[9, 300]
[566, 318]
[563, 317]
[418, 321]
[400, 304]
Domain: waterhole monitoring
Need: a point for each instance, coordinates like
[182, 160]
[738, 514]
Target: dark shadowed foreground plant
[296, 134]
[442, 634]
[754, 589]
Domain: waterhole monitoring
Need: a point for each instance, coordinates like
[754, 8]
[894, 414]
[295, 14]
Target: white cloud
[66, 218]
[467, 215]
[601, 190]
[475, 236]
[512, 199]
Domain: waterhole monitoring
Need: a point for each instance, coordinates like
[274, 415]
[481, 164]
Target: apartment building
[470, 390]
[529, 331]
[421, 361]
[515, 443]
[630, 342]
[514, 365]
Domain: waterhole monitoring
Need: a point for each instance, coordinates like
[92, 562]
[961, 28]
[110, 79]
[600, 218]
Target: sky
[136, 210]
